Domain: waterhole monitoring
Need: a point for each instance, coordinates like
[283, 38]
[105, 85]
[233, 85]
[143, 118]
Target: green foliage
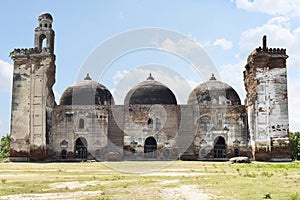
[4, 146]
[11, 53]
[3, 180]
[295, 145]
[294, 196]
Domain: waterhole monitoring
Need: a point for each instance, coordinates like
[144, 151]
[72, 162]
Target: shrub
[295, 145]
[3, 180]
[4, 147]
[294, 196]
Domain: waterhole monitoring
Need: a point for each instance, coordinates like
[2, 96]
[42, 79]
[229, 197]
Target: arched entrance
[150, 148]
[81, 148]
[219, 147]
[64, 154]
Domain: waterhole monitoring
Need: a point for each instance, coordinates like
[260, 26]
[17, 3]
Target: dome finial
[212, 78]
[87, 77]
[150, 77]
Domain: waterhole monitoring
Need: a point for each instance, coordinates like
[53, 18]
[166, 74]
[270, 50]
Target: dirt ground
[177, 181]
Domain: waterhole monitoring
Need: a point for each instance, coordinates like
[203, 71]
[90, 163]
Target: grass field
[177, 180]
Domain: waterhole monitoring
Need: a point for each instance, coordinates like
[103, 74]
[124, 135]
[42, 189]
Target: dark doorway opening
[150, 148]
[219, 147]
[236, 152]
[81, 148]
[64, 154]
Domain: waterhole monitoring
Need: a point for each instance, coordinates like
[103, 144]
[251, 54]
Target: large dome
[86, 92]
[214, 92]
[150, 92]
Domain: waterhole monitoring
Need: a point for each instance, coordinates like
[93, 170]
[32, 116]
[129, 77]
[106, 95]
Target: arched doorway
[236, 152]
[150, 148]
[81, 148]
[219, 147]
[64, 154]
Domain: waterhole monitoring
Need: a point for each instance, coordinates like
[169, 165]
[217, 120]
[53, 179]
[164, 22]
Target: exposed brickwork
[213, 125]
[267, 103]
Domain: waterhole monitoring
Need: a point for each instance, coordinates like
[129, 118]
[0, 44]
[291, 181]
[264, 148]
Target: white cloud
[222, 42]
[118, 76]
[6, 72]
[271, 7]
[184, 45]
[280, 21]
[278, 35]
[294, 99]
[232, 74]
[56, 95]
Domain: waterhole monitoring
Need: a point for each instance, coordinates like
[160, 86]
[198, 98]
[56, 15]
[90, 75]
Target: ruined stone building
[86, 123]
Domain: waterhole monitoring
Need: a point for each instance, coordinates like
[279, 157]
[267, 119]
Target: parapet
[29, 51]
[271, 50]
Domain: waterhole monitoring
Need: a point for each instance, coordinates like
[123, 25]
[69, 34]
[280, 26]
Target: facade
[150, 125]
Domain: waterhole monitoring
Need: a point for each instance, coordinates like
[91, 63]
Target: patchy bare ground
[181, 180]
[185, 192]
[56, 195]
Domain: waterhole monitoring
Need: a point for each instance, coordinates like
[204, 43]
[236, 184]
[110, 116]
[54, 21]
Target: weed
[3, 180]
[266, 174]
[250, 175]
[294, 196]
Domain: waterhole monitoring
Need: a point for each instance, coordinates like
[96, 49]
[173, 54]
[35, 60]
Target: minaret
[44, 32]
[265, 79]
[32, 95]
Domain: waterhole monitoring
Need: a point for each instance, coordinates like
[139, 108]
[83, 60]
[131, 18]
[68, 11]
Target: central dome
[150, 92]
[214, 92]
[87, 92]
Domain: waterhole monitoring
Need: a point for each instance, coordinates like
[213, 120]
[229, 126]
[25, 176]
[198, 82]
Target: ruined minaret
[32, 95]
[265, 79]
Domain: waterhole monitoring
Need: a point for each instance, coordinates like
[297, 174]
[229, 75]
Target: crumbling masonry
[150, 125]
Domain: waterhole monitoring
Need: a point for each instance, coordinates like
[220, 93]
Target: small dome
[87, 92]
[45, 16]
[150, 92]
[214, 92]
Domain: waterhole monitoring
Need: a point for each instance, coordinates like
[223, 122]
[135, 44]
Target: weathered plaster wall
[66, 130]
[138, 127]
[267, 104]
[32, 101]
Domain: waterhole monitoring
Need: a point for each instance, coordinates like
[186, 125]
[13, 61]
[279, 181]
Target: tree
[4, 146]
[295, 145]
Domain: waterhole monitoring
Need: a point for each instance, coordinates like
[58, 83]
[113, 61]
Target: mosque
[86, 124]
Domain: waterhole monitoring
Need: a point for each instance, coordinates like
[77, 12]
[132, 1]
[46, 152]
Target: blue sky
[228, 30]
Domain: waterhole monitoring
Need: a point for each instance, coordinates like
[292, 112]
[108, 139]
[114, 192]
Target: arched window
[42, 41]
[150, 123]
[81, 124]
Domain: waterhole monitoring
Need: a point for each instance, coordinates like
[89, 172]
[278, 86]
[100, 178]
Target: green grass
[220, 180]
